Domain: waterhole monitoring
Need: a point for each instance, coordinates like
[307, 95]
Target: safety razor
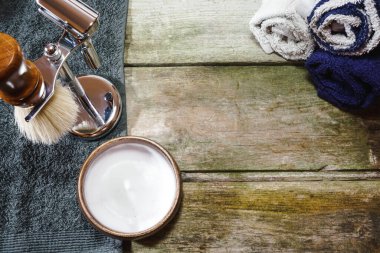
[99, 100]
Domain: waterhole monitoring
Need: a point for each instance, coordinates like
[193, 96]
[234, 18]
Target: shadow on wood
[161, 235]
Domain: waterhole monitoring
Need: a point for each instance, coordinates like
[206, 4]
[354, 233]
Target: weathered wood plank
[273, 217]
[192, 32]
[246, 118]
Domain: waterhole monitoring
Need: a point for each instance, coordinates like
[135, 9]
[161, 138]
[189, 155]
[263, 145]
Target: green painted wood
[273, 217]
[162, 32]
[247, 119]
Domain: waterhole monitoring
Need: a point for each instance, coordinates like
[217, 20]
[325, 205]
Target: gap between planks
[213, 64]
[296, 176]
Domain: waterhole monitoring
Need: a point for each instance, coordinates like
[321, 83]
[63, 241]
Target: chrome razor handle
[90, 55]
[79, 20]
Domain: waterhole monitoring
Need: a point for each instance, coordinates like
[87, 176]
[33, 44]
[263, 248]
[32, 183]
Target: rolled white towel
[279, 28]
[304, 7]
[346, 27]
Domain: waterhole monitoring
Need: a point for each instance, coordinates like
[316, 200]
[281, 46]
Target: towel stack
[337, 38]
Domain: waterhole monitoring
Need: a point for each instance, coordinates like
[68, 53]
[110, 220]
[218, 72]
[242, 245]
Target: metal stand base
[107, 102]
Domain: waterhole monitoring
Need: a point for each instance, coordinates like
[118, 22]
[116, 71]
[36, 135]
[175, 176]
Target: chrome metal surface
[72, 15]
[99, 100]
[69, 78]
[52, 52]
[107, 102]
[49, 69]
[78, 19]
[49, 91]
[79, 22]
[90, 55]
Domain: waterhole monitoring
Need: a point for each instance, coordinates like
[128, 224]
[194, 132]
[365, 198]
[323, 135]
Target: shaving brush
[22, 85]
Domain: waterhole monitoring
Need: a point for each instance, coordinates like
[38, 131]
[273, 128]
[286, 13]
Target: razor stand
[99, 100]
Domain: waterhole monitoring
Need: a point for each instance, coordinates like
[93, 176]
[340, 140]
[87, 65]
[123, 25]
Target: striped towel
[346, 27]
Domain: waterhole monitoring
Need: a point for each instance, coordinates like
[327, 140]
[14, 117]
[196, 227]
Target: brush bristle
[54, 121]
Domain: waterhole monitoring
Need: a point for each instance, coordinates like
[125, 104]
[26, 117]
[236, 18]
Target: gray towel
[38, 205]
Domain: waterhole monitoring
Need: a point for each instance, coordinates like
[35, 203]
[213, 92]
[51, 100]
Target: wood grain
[20, 81]
[10, 56]
[163, 32]
[247, 119]
[267, 165]
[273, 217]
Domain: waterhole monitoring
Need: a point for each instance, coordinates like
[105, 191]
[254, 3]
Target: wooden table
[267, 166]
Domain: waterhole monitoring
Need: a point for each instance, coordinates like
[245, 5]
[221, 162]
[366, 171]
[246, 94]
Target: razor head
[76, 17]
[79, 20]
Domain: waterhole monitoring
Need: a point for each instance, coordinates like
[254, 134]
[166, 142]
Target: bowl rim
[112, 143]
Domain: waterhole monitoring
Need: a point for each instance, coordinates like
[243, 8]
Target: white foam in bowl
[130, 187]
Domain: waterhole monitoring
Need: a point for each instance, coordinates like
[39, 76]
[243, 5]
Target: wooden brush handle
[21, 83]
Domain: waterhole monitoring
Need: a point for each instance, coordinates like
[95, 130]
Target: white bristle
[55, 120]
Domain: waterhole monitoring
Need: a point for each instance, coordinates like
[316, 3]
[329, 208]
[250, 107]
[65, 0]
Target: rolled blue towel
[346, 82]
[346, 27]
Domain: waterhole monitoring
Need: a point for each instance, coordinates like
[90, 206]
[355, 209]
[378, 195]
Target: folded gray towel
[38, 206]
